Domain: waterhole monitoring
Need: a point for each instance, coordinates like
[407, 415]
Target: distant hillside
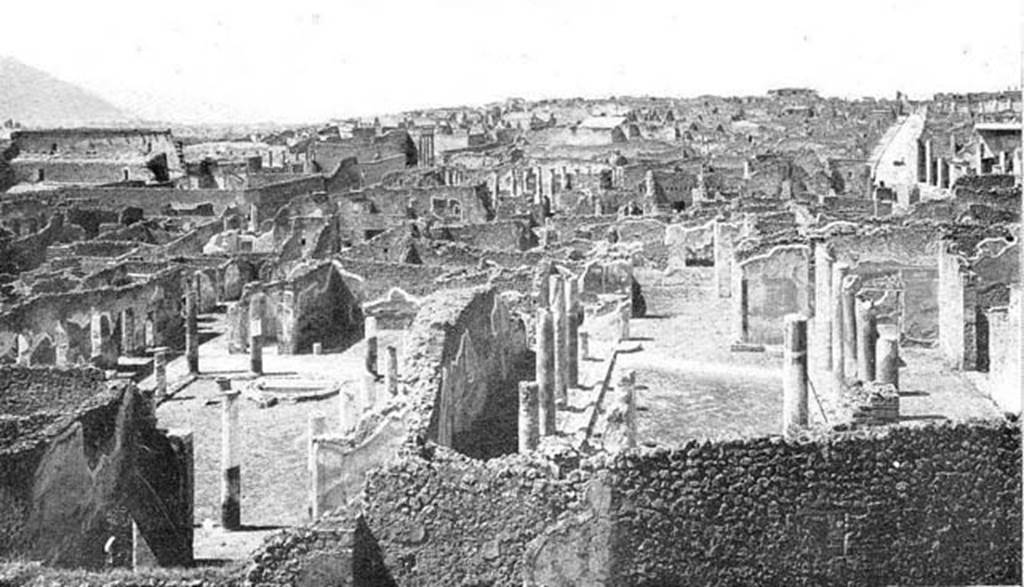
[36, 98]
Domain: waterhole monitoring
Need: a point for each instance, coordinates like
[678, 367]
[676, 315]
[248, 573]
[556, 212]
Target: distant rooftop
[998, 127]
[88, 131]
[603, 122]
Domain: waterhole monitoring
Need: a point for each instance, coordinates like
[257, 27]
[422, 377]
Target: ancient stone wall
[467, 355]
[1004, 342]
[767, 287]
[905, 256]
[914, 505]
[690, 245]
[447, 519]
[909, 505]
[315, 304]
[74, 327]
[58, 481]
[28, 252]
[152, 201]
[508, 235]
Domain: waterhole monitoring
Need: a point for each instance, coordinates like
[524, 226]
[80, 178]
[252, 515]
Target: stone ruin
[486, 340]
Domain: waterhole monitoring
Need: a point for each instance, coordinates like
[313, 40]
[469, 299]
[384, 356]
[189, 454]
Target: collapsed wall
[467, 356]
[75, 454]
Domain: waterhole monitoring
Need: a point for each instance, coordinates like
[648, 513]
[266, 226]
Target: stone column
[822, 303]
[561, 327]
[887, 350]
[794, 375]
[866, 340]
[529, 415]
[928, 176]
[317, 427]
[391, 370]
[543, 281]
[625, 311]
[197, 286]
[192, 330]
[254, 218]
[318, 348]
[741, 324]
[584, 345]
[348, 410]
[575, 310]
[627, 398]
[160, 374]
[839, 271]
[127, 332]
[546, 370]
[96, 341]
[370, 329]
[722, 244]
[256, 334]
[369, 391]
[231, 480]
[851, 284]
[538, 190]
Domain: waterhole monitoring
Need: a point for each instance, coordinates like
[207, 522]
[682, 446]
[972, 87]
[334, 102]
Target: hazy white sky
[307, 60]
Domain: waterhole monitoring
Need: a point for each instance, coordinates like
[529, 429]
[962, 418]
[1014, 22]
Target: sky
[308, 60]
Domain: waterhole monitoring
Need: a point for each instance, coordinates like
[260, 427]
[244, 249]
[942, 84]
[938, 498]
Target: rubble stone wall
[908, 505]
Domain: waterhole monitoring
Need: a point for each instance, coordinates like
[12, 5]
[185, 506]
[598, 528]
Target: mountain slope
[35, 98]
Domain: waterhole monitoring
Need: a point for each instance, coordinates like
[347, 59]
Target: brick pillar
[529, 415]
[560, 318]
[866, 340]
[231, 480]
[794, 377]
[391, 370]
[546, 370]
[192, 330]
